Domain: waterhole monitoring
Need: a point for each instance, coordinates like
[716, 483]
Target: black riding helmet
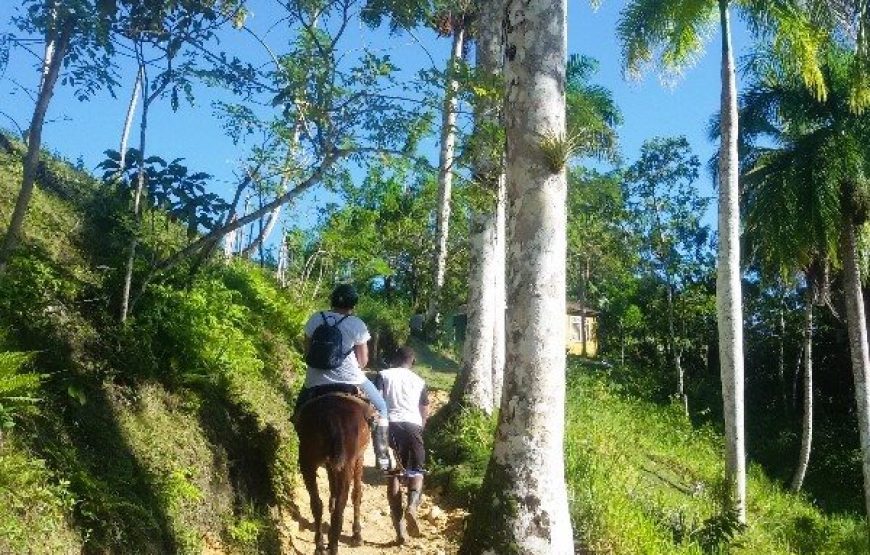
[344, 296]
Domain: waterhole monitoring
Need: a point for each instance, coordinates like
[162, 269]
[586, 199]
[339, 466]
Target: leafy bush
[459, 448]
[388, 322]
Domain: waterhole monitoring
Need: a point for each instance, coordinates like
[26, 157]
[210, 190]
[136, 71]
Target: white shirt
[353, 332]
[404, 391]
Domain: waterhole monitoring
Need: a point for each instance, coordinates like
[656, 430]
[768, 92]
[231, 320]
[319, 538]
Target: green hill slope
[164, 435]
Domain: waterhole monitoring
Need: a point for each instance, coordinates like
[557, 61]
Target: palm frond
[672, 30]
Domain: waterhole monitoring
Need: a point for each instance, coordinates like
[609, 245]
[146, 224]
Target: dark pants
[406, 439]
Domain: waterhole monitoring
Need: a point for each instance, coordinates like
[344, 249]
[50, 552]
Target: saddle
[342, 390]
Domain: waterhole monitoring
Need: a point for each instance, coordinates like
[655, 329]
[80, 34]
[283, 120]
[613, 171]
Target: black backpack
[325, 349]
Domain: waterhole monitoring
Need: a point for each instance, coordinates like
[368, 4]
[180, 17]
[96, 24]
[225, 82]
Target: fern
[17, 389]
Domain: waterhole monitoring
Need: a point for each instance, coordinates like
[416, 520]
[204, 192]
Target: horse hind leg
[337, 518]
[331, 473]
[309, 476]
[357, 540]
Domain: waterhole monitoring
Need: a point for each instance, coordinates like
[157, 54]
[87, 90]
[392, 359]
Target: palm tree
[523, 504]
[676, 30]
[806, 196]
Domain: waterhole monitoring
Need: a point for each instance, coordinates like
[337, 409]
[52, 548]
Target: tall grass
[642, 479]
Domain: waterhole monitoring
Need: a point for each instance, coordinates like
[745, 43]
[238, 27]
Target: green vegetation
[459, 446]
[643, 479]
[147, 437]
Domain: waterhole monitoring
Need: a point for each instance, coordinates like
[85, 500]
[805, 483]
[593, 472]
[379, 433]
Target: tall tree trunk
[137, 200]
[128, 122]
[474, 386]
[56, 48]
[523, 503]
[857, 325]
[807, 420]
[498, 295]
[729, 303]
[484, 350]
[445, 171]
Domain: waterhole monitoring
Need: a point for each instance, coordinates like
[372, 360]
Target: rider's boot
[381, 444]
[415, 495]
[397, 516]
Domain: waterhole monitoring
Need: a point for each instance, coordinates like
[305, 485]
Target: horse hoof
[356, 541]
[320, 551]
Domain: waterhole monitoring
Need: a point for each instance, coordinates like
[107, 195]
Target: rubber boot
[398, 518]
[414, 498]
[381, 444]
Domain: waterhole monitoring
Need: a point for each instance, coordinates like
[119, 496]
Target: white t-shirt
[353, 332]
[404, 391]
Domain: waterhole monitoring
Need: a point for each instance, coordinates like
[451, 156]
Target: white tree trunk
[729, 303]
[523, 504]
[807, 420]
[445, 172]
[857, 325]
[56, 48]
[137, 200]
[474, 386]
[128, 122]
[281, 270]
[498, 295]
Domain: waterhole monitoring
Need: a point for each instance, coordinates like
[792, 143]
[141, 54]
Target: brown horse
[334, 432]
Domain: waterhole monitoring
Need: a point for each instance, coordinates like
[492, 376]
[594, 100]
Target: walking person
[407, 398]
[336, 351]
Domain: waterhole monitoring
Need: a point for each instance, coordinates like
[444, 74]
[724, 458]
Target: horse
[334, 432]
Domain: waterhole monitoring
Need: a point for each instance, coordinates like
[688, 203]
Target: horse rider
[336, 351]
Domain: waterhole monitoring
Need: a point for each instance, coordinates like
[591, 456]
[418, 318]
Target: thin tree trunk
[807, 420]
[781, 367]
[445, 172]
[128, 122]
[474, 386]
[729, 303]
[522, 506]
[137, 200]
[55, 51]
[857, 327]
[675, 352]
[583, 276]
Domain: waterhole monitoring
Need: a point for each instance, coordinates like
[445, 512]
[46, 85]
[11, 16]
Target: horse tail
[336, 436]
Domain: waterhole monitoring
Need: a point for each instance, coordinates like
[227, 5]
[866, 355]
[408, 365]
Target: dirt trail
[441, 528]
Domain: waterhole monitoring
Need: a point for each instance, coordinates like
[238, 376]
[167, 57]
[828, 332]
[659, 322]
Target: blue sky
[85, 129]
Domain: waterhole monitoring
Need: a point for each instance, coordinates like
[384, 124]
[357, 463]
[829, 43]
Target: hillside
[167, 435]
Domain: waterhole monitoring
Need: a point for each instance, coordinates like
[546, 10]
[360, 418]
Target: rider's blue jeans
[376, 398]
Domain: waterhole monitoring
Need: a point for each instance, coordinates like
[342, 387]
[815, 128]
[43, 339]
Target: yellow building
[577, 318]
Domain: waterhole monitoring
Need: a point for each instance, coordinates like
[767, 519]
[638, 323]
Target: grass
[437, 368]
[642, 479]
[152, 436]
